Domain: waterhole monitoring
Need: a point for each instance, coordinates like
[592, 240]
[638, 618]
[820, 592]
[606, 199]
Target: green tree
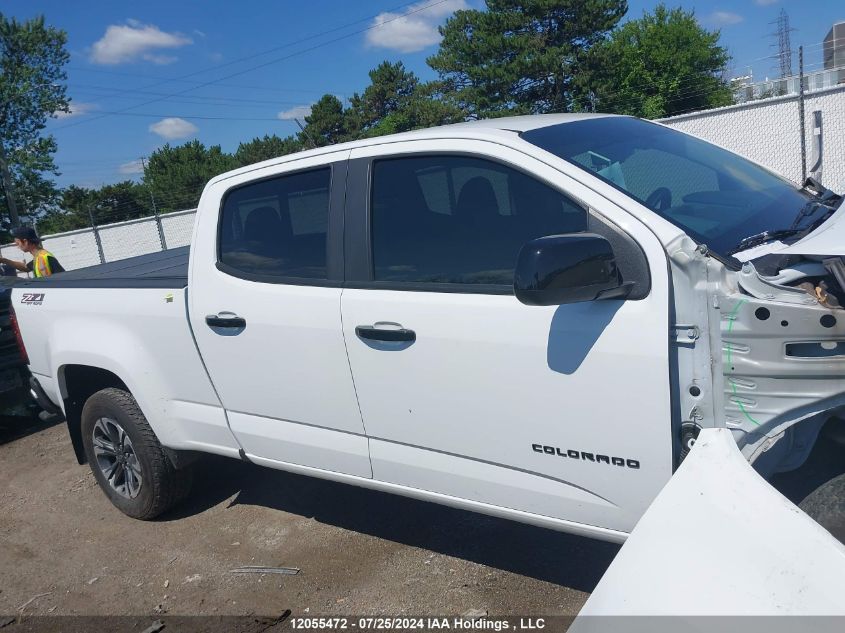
[32, 59]
[121, 201]
[391, 89]
[661, 64]
[521, 56]
[396, 101]
[327, 123]
[70, 213]
[259, 149]
[177, 175]
[425, 108]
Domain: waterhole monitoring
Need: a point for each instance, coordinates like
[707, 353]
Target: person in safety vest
[43, 263]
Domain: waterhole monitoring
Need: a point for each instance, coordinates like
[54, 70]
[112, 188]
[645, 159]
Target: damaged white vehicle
[531, 317]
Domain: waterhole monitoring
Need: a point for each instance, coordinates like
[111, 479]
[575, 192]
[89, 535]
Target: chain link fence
[769, 131]
[117, 240]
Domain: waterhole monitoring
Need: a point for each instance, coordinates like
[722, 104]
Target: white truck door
[265, 286]
[563, 411]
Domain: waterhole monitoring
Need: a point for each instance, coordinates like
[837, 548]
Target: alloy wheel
[116, 458]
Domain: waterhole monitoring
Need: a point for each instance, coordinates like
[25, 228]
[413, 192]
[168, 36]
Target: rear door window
[278, 227]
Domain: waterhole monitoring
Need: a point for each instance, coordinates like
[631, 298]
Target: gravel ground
[360, 552]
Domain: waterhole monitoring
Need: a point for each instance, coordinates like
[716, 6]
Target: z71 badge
[33, 298]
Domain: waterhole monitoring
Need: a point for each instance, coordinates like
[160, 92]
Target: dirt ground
[64, 550]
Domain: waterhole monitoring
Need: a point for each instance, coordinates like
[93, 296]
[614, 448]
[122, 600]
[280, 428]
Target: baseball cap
[26, 233]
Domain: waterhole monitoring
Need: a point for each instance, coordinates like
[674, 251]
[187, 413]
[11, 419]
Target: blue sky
[266, 62]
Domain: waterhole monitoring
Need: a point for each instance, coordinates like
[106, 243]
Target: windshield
[715, 196]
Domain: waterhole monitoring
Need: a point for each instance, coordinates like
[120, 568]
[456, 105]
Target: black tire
[826, 505]
[158, 486]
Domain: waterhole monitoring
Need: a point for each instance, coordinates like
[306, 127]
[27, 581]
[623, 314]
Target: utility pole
[801, 113]
[9, 188]
[307, 135]
[97, 239]
[155, 209]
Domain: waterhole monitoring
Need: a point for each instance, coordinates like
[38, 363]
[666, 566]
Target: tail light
[18, 338]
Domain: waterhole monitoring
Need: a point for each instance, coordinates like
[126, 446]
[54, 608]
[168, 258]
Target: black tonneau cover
[165, 269]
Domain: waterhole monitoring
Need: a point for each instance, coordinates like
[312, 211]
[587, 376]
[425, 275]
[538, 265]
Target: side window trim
[358, 235]
[335, 264]
[357, 248]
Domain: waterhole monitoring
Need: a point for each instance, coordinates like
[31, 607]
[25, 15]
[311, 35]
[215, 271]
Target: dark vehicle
[14, 377]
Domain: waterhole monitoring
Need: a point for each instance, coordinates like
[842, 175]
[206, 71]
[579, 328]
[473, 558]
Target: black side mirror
[568, 269]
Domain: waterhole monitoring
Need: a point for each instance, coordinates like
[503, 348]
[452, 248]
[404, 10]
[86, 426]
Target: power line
[87, 88]
[167, 96]
[268, 51]
[212, 101]
[678, 95]
[185, 81]
[683, 82]
[265, 64]
[200, 117]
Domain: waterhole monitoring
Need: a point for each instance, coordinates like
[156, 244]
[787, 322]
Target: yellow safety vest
[41, 265]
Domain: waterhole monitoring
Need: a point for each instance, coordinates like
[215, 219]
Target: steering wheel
[660, 199]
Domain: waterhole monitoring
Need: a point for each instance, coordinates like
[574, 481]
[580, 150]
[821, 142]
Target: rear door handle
[393, 334]
[225, 319]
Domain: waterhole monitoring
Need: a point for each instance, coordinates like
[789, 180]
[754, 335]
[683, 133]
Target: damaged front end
[774, 369]
[783, 356]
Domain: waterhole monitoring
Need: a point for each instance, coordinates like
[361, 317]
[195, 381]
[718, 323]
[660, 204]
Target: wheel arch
[77, 383]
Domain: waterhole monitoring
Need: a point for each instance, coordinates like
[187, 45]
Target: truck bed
[165, 269]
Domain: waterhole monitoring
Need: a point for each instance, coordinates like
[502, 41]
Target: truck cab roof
[486, 128]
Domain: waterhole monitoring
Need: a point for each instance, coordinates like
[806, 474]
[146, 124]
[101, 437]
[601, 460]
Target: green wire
[731, 319]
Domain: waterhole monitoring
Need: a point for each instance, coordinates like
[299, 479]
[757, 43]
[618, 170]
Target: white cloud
[413, 30]
[132, 167]
[77, 108]
[724, 18]
[298, 112]
[129, 42]
[173, 127]
[764, 3]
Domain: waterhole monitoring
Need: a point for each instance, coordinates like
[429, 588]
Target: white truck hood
[719, 540]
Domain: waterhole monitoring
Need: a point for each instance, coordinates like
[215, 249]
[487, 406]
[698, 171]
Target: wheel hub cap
[116, 458]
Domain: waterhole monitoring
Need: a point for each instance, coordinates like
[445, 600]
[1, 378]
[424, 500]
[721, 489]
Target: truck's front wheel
[126, 457]
[826, 505]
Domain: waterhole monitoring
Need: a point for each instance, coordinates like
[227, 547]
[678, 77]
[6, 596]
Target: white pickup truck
[530, 317]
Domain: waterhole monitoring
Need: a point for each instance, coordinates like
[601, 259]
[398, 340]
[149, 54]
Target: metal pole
[818, 146]
[97, 237]
[155, 210]
[801, 113]
[307, 135]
